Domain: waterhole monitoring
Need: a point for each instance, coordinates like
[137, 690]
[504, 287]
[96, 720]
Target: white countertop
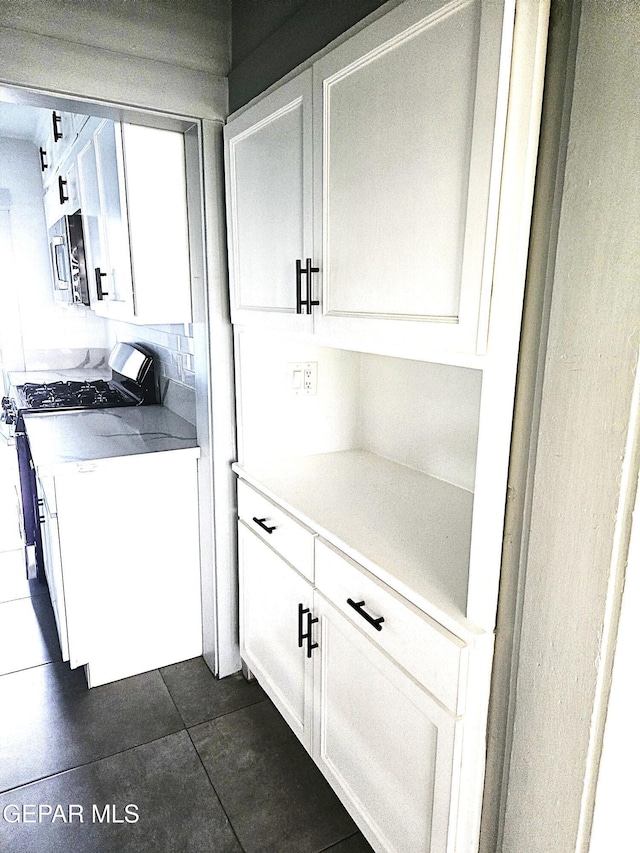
[411, 530]
[62, 442]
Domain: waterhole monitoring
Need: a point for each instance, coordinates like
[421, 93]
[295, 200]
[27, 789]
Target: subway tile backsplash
[172, 348]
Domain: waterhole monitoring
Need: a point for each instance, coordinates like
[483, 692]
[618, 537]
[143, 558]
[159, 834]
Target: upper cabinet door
[405, 138]
[268, 150]
[156, 203]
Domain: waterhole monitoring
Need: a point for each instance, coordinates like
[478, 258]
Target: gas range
[132, 383]
[70, 394]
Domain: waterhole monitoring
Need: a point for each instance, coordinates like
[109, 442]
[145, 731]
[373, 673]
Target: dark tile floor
[170, 760]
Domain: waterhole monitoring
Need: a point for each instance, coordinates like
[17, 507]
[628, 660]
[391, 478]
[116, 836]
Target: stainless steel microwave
[66, 244]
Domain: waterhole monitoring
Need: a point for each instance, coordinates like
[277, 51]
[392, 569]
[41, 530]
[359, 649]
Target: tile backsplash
[173, 351]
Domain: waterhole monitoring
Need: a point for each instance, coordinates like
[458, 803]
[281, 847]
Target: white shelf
[409, 529]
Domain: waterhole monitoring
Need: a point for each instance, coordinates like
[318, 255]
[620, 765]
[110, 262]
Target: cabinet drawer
[291, 539]
[434, 656]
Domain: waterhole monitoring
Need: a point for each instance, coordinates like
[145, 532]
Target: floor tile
[13, 581]
[354, 844]
[200, 696]
[52, 722]
[28, 634]
[273, 793]
[177, 808]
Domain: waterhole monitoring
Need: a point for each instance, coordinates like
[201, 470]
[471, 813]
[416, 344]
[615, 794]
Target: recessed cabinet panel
[118, 284]
[272, 625]
[268, 151]
[404, 123]
[405, 156]
[399, 777]
[155, 180]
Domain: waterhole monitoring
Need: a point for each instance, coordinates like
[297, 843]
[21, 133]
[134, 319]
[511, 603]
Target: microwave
[66, 245]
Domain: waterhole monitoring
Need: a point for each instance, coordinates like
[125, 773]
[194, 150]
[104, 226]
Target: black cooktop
[69, 394]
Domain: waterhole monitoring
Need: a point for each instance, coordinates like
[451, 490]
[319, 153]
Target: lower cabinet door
[388, 748]
[53, 571]
[277, 630]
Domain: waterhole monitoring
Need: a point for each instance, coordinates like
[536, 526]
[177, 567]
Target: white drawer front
[291, 539]
[434, 656]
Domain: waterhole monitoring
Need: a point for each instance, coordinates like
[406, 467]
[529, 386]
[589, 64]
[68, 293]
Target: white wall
[583, 474]
[44, 325]
[153, 54]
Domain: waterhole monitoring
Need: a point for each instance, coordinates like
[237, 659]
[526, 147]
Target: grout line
[166, 687]
[88, 763]
[340, 840]
[213, 787]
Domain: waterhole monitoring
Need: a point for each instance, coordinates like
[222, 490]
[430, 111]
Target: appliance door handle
[58, 241]
[261, 523]
[61, 185]
[100, 293]
[372, 620]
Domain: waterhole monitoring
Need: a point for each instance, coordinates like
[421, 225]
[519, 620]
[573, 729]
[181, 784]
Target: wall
[44, 324]
[152, 54]
[270, 39]
[173, 350]
[585, 469]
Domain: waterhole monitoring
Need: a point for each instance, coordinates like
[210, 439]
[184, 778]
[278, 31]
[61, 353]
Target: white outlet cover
[302, 378]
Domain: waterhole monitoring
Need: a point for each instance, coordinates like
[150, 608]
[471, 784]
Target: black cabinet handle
[304, 611]
[43, 165]
[358, 607]
[61, 185]
[100, 293]
[308, 302]
[57, 126]
[261, 523]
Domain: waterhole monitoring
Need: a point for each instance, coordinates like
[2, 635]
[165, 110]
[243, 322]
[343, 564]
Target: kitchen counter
[64, 442]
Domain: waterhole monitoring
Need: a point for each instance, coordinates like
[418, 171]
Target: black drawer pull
[43, 165]
[261, 523]
[358, 607]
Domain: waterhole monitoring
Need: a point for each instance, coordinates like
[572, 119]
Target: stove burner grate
[69, 394]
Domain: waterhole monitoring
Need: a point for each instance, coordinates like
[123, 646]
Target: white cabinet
[406, 127]
[353, 667]
[156, 205]
[134, 206]
[276, 627]
[105, 228]
[122, 562]
[387, 747]
[269, 202]
[52, 559]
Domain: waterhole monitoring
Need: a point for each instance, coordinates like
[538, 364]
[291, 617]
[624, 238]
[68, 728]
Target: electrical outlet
[302, 378]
